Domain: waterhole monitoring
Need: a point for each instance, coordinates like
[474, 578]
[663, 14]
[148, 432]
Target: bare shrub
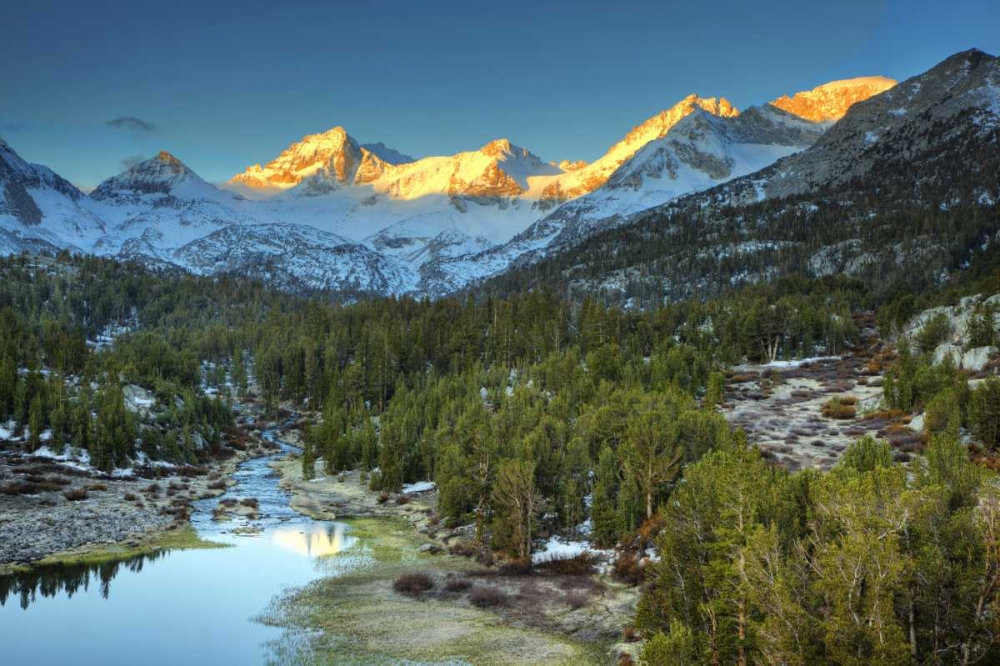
[486, 597]
[581, 564]
[75, 495]
[414, 584]
[457, 585]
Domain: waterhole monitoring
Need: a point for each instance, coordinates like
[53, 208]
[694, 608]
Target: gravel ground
[38, 519]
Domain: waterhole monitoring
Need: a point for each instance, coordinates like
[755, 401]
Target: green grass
[354, 616]
[180, 539]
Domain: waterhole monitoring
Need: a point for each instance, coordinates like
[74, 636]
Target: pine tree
[35, 424]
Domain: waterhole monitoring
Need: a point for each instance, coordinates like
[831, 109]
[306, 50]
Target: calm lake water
[180, 607]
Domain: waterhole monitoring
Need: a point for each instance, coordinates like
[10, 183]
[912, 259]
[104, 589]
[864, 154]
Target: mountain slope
[160, 204]
[699, 149]
[39, 210]
[829, 102]
[334, 154]
[902, 191]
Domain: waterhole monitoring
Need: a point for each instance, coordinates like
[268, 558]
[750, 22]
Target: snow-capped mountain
[39, 210]
[414, 211]
[829, 102]
[706, 143]
[588, 178]
[159, 205]
[967, 82]
[330, 212]
[902, 190]
[332, 157]
[923, 112]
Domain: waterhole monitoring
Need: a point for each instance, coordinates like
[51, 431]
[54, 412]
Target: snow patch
[419, 487]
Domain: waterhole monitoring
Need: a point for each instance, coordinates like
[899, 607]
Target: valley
[729, 393]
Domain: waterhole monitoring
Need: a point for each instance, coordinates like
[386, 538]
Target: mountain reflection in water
[324, 540]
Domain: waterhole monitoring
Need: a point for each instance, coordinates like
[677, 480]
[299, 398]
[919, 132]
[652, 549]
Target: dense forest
[534, 414]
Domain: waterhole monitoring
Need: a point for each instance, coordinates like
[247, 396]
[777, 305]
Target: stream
[177, 607]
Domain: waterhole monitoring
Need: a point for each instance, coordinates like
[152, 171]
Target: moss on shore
[184, 538]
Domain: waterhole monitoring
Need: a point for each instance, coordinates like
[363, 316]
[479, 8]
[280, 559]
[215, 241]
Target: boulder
[976, 359]
[945, 350]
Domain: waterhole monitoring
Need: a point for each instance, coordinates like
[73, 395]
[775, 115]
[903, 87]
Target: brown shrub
[457, 585]
[97, 487]
[485, 597]
[576, 600]
[130, 497]
[75, 495]
[250, 502]
[217, 485]
[383, 497]
[578, 565]
[518, 566]
[402, 499]
[844, 407]
[463, 549]
[414, 584]
[627, 568]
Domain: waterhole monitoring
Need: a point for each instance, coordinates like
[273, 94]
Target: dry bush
[130, 497]
[627, 568]
[414, 584]
[576, 600]
[457, 585]
[518, 566]
[251, 502]
[486, 597]
[463, 549]
[217, 485]
[651, 527]
[97, 487]
[402, 499]
[742, 378]
[75, 495]
[152, 489]
[383, 497]
[844, 407]
[578, 565]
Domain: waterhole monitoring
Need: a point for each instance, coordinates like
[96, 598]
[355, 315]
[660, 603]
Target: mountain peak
[829, 102]
[168, 159]
[497, 147]
[333, 152]
[160, 174]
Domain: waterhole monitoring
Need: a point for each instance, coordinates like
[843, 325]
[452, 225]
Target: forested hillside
[901, 193]
[533, 415]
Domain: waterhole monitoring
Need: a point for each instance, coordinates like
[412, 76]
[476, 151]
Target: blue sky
[226, 84]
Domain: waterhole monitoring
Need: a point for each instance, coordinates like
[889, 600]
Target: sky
[89, 88]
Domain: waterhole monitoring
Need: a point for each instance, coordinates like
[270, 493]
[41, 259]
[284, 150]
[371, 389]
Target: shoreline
[118, 518]
[538, 618]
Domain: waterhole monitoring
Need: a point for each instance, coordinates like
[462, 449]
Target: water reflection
[320, 541]
[55, 580]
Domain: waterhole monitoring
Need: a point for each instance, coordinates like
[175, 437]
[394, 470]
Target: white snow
[419, 487]
[557, 548]
[795, 363]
